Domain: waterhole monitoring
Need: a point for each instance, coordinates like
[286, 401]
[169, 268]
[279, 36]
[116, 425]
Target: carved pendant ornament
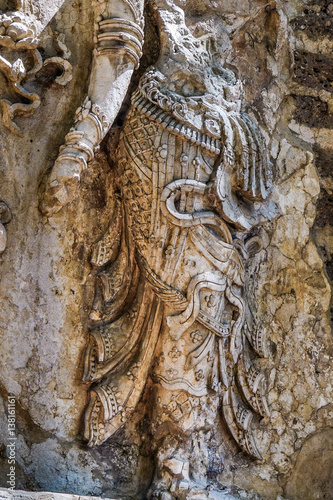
[170, 299]
[21, 60]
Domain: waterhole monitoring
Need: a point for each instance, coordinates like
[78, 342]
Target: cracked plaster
[45, 268]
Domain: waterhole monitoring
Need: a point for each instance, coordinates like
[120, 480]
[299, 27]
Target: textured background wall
[282, 53]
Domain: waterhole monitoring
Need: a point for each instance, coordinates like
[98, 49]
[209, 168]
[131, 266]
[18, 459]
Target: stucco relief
[169, 257]
[171, 299]
[172, 310]
[21, 61]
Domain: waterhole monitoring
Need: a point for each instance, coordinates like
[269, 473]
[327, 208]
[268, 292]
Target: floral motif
[169, 251]
[189, 262]
[183, 160]
[133, 372]
[88, 107]
[171, 372]
[156, 242]
[131, 313]
[197, 336]
[162, 152]
[199, 375]
[197, 162]
[174, 354]
[210, 357]
[211, 300]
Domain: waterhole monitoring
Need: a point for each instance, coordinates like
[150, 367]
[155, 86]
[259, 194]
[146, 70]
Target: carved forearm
[118, 39]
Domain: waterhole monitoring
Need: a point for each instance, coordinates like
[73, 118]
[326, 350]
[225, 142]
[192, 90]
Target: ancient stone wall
[260, 67]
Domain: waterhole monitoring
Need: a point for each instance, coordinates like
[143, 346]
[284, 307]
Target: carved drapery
[171, 307]
[170, 254]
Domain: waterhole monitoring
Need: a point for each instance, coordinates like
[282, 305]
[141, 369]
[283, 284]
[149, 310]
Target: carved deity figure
[171, 309]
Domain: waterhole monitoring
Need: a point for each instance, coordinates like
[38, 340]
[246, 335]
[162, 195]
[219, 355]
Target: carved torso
[168, 151]
[171, 300]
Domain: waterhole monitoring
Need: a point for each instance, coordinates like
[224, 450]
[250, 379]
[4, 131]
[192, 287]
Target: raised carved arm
[118, 43]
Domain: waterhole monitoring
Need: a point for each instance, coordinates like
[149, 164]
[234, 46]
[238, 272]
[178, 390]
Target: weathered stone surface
[7, 494]
[249, 62]
[315, 461]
